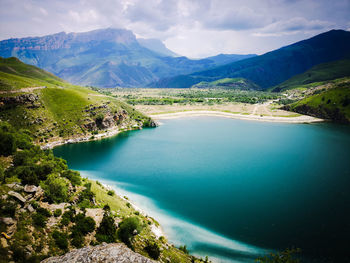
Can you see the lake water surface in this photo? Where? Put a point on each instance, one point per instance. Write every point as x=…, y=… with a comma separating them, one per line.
x=233, y=189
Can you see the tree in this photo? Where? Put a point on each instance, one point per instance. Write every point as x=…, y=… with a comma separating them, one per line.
x=56, y=188
x=127, y=229
x=7, y=143
x=107, y=231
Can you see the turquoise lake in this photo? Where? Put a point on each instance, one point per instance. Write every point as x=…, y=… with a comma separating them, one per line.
x=233, y=189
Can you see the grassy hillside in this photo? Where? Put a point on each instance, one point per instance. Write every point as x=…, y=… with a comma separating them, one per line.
x=16, y=75
x=276, y=66
x=319, y=73
x=53, y=110
x=228, y=83
x=331, y=102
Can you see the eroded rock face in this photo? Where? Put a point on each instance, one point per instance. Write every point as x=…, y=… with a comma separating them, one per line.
x=106, y=253
x=20, y=99
x=30, y=188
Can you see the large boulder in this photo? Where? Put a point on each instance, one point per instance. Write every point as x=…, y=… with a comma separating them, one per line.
x=107, y=253
x=18, y=196
x=30, y=188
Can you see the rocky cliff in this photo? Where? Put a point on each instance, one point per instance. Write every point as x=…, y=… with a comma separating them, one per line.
x=106, y=253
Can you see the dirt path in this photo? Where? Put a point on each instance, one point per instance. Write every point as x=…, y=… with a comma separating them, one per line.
x=30, y=89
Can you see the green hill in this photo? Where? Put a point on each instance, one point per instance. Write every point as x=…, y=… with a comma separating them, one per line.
x=331, y=102
x=228, y=83
x=53, y=110
x=274, y=67
x=319, y=73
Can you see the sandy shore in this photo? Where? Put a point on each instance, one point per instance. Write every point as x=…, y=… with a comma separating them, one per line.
x=157, y=230
x=298, y=119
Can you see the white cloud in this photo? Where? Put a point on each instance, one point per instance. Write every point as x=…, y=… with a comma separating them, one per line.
x=190, y=27
x=293, y=26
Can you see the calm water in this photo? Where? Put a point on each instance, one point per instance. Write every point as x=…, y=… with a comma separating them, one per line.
x=231, y=189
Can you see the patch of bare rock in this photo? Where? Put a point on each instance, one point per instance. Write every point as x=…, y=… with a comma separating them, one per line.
x=107, y=253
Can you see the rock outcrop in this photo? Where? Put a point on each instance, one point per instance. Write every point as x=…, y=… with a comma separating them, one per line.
x=107, y=253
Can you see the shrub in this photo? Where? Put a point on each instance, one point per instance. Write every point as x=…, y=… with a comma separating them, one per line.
x=60, y=239
x=57, y=212
x=67, y=217
x=107, y=231
x=7, y=208
x=83, y=224
x=127, y=228
x=111, y=192
x=87, y=195
x=7, y=143
x=184, y=249
x=77, y=240
x=43, y=211
x=72, y=176
x=153, y=250
x=56, y=189
x=39, y=220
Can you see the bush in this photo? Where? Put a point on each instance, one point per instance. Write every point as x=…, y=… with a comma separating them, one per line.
x=86, y=196
x=7, y=143
x=67, y=217
x=107, y=231
x=7, y=208
x=184, y=249
x=39, y=220
x=127, y=228
x=56, y=189
x=43, y=211
x=72, y=176
x=60, y=239
x=111, y=192
x=153, y=250
x=77, y=240
x=83, y=224
x=57, y=212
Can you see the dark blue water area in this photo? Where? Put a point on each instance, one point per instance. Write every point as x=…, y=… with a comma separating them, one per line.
x=260, y=185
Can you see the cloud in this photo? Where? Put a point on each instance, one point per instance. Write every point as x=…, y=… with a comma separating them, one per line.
x=190, y=27
x=237, y=18
x=293, y=26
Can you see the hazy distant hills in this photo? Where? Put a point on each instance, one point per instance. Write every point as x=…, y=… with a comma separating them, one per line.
x=106, y=57
x=274, y=67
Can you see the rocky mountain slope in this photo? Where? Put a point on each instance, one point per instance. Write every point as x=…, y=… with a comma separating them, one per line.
x=104, y=58
x=274, y=67
x=55, y=110
x=108, y=253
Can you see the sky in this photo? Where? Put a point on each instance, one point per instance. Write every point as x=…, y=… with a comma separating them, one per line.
x=193, y=28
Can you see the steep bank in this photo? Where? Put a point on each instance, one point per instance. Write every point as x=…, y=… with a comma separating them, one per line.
x=53, y=110
x=330, y=100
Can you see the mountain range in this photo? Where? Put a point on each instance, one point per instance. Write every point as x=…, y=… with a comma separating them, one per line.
x=274, y=67
x=106, y=57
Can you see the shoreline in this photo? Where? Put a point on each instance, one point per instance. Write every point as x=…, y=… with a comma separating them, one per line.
x=157, y=230
x=107, y=134
x=195, y=113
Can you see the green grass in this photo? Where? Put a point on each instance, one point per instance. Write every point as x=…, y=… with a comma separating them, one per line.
x=333, y=103
x=317, y=75
x=115, y=202
x=60, y=111
x=229, y=83
x=15, y=75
